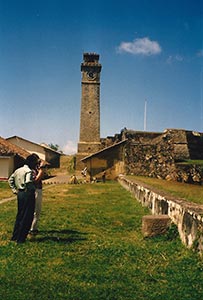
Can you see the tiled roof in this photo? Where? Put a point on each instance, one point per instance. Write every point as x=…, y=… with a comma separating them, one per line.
x=103, y=150
x=42, y=145
x=8, y=149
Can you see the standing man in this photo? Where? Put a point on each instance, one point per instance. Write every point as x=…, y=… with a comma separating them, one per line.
x=22, y=184
x=104, y=176
x=38, y=174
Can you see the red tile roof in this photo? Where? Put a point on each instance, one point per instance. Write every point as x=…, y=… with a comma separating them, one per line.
x=8, y=149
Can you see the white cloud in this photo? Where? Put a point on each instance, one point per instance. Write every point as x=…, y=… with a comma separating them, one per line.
x=69, y=148
x=179, y=57
x=169, y=59
x=174, y=58
x=143, y=46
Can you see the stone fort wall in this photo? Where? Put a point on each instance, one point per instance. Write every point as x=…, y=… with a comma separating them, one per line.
x=161, y=155
x=187, y=216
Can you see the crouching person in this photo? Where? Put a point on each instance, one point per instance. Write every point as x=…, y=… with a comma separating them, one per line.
x=22, y=184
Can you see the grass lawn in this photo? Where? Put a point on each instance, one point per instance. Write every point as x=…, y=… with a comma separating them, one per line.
x=190, y=192
x=5, y=191
x=90, y=247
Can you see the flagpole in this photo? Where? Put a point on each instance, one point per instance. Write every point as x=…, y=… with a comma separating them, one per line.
x=145, y=115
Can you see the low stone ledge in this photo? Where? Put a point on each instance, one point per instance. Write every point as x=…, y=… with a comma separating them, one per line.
x=153, y=225
x=187, y=216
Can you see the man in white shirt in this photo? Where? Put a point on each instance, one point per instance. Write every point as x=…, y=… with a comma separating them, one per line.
x=22, y=184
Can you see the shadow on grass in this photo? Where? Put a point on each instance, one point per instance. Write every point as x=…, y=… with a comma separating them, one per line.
x=59, y=236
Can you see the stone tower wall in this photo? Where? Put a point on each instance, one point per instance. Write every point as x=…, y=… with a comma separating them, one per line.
x=89, y=141
x=90, y=112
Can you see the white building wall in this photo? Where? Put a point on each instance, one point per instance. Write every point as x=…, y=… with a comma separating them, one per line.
x=28, y=146
x=6, y=166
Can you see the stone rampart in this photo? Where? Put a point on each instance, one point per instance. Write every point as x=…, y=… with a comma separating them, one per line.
x=186, y=215
x=170, y=155
x=160, y=155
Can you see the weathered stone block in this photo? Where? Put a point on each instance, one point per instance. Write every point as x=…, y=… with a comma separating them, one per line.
x=153, y=225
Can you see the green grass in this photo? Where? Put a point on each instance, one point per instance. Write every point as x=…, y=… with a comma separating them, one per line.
x=90, y=247
x=5, y=191
x=196, y=162
x=189, y=192
x=66, y=166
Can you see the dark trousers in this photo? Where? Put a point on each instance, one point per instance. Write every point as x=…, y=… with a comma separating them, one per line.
x=24, y=217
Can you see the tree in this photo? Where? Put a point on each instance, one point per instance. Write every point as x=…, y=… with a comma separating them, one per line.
x=54, y=146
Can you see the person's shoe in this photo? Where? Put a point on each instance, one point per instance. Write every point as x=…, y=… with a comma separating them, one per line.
x=20, y=242
x=13, y=240
x=34, y=232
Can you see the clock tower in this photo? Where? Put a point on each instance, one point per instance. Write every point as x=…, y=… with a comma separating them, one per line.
x=89, y=141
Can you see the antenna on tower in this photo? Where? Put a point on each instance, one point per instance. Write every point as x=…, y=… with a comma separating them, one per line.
x=145, y=115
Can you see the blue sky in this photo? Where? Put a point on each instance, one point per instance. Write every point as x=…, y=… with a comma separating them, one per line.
x=150, y=50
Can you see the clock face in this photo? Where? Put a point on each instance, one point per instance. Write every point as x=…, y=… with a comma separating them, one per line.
x=91, y=75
